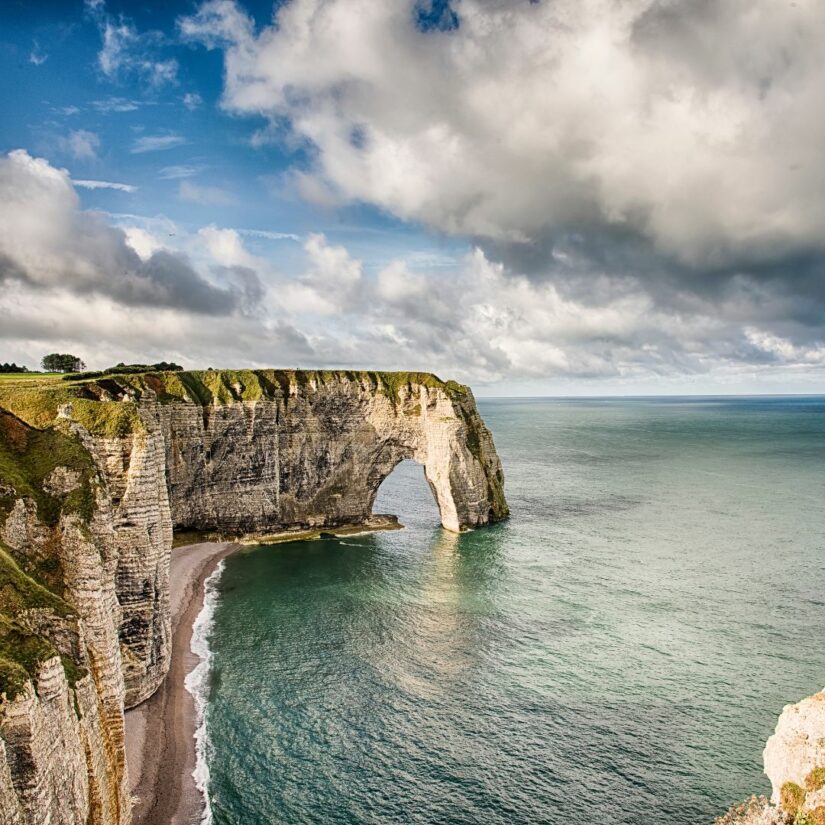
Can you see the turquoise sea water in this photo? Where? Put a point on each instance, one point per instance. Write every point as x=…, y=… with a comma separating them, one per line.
x=617, y=652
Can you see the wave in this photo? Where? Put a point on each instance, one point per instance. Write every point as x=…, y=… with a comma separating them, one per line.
x=197, y=683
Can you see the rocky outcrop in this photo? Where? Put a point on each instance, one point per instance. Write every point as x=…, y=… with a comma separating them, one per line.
x=315, y=452
x=795, y=759
x=755, y=811
x=94, y=476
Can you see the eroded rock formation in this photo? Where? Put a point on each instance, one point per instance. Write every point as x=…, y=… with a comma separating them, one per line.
x=96, y=473
x=794, y=760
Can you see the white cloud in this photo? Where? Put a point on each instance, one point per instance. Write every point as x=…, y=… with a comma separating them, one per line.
x=156, y=143
x=696, y=125
x=115, y=104
x=784, y=350
x=330, y=284
x=48, y=243
x=104, y=333
x=204, y=195
x=81, y=144
x=142, y=241
x=127, y=51
x=161, y=71
x=270, y=236
x=176, y=172
x=227, y=249
x=104, y=184
x=192, y=100
x=396, y=284
x=116, y=42
x=37, y=56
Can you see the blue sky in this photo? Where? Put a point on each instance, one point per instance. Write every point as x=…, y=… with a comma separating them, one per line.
x=535, y=197
x=52, y=76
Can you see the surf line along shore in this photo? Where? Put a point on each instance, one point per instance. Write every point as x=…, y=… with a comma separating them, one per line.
x=160, y=733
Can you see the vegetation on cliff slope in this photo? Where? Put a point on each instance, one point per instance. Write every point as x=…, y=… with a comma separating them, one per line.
x=37, y=399
x=29, y=457
x=791, y=809
x=33, y=581
x=793, y=799
x=21, y=651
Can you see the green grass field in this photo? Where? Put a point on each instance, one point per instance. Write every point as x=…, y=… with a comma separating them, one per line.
x=29, y=376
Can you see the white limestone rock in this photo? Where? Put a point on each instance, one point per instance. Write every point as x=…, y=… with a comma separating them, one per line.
x=796, y=750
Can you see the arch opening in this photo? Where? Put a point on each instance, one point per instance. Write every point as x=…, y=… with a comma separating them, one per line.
x=406, y=493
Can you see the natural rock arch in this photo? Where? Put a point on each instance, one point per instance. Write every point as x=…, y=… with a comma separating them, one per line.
x=251, y=452
x=404, y=490
x=134, y=456
x=317, y=456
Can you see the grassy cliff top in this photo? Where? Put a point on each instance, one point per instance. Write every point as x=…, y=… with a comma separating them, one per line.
x=36, y=398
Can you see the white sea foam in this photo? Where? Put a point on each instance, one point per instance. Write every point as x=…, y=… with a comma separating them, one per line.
x=197, y=683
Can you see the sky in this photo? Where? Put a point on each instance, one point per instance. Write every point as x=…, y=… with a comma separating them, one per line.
x=574, y=197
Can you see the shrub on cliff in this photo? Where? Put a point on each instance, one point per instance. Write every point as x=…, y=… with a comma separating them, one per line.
x=161, y=366
x=128, y=369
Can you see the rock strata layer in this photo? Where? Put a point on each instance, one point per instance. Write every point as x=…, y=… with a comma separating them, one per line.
x=95, y=475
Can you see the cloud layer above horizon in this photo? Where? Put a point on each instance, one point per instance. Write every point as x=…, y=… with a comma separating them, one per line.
x=639, y=186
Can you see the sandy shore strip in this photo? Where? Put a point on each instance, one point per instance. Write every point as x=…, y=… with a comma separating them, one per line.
x=160, y=743
x=160, y=732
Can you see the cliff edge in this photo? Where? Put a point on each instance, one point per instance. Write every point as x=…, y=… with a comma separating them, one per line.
x=97, y=472
x=794, y=759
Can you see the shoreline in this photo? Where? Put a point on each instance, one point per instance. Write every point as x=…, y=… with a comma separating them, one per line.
x=161, y=753
x=160, y=732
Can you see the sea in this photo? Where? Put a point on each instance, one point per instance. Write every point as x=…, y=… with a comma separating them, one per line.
x=618, y=651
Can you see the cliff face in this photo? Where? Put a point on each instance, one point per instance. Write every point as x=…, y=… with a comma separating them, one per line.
x=795, y=760
x=90, y=524
x=61, y=719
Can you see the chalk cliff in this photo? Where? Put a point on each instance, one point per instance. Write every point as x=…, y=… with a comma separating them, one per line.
x=794, y=760
x=96, y=473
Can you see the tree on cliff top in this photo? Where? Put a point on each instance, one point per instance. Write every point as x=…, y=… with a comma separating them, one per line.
x=55, y=362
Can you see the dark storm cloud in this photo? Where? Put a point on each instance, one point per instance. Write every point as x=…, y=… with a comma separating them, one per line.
x=596, y=264
x=48, y=242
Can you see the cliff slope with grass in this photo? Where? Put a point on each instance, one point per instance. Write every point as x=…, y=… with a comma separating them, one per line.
x=96, y=472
